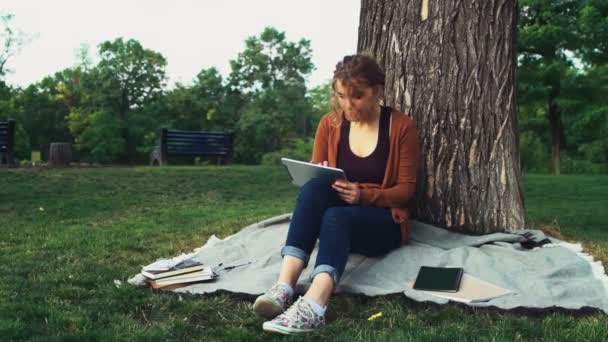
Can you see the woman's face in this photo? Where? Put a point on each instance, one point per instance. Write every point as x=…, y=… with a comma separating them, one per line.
x=358, y=101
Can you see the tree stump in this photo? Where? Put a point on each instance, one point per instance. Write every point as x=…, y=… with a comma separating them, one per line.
x=60, y=154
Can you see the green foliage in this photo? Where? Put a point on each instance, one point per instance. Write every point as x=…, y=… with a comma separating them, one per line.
x=10, y=109
x=270, y=61
x=562, y=78
x=589, y=132
x=8, y=105
x=578, y=167
x=270, y=74
x=320, y=100
x=269, y=122
x=44, y=112
x=113, y=94
x=100, y=137
x=535, y=155
x=22, y=144
x=299, y=149
x=593, y=32
x=202, y=106
x=130, y=74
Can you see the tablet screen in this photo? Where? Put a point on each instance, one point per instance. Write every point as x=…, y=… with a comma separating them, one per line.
x=302, y=172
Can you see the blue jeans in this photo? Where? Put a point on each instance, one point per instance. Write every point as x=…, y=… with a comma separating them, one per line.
x=340, y=227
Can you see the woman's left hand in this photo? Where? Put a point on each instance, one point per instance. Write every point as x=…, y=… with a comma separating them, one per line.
x=347, y=191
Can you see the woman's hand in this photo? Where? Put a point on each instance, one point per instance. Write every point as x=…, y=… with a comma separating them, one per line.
x=347, y=191
x=323, y=163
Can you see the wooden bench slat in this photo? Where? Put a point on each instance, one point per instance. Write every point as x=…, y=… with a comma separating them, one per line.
x=198, y=150
x=201, y=140
x=187, y=153
x=197, y=145
x=175, y=142
x=194, y=134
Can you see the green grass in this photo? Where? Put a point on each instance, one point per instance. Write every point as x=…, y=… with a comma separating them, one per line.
x=68, y=233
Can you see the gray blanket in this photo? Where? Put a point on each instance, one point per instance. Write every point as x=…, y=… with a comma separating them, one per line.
x=557, y=274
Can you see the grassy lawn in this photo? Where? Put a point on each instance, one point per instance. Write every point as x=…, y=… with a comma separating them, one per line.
x=68, y=234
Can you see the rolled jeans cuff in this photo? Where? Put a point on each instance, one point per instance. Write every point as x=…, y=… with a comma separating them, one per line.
x=327, y=269
x=296, y=252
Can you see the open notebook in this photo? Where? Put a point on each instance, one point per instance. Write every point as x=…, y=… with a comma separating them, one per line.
x=472, y=290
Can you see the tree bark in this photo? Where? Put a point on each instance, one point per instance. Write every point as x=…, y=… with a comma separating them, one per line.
x=555, y=126
x=454, y=73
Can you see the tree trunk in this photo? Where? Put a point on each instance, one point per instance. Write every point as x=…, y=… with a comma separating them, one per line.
x=451, y=65
x=60, y=154
x=128, y=154
x=555, y=127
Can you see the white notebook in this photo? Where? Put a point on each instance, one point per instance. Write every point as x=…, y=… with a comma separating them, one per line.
x=472, y=290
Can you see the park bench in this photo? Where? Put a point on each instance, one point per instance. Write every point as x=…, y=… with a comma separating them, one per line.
x=182, y=143
x=7, y=142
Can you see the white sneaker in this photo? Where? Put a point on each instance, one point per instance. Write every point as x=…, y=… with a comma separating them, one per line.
x=298, y=319
x=273, y=302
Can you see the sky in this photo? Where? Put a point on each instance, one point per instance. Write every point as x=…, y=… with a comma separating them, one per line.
x=192, y=35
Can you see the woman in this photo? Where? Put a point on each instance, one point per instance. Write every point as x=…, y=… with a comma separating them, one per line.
x=377, y=148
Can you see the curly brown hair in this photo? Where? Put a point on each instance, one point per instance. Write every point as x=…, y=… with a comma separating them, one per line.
x=356, y=70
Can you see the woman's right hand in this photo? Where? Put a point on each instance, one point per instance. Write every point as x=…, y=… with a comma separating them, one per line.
x=323, y=163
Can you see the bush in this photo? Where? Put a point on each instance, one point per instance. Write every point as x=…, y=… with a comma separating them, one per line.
x=299, y=149
x=22, y=142
x=534, y=155
x=576, y=166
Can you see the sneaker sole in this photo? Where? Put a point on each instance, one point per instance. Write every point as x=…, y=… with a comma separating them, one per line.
x=274, y=328
x=267, y=308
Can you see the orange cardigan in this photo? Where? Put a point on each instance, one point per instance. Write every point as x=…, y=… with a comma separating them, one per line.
x=399, y=185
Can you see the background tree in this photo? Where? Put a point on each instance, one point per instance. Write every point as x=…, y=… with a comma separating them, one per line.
x=269, y=76
x=110, y=121
x=199, y=106
x=11, y=41
x=548, y=30
x=451, y=64
x=319, y=98
x=44, y=112
x=563, y=55
x=10, y=108
x=593, y=142
x=589, y=133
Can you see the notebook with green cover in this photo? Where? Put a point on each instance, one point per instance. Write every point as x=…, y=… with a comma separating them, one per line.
x=438, y=279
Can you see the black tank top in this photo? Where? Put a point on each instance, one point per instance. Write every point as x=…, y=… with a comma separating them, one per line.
x=368, y=169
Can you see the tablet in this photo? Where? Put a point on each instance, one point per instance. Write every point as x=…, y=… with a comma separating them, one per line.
x=301, y=172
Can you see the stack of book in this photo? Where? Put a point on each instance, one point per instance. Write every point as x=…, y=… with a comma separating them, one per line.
x=184, y=273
